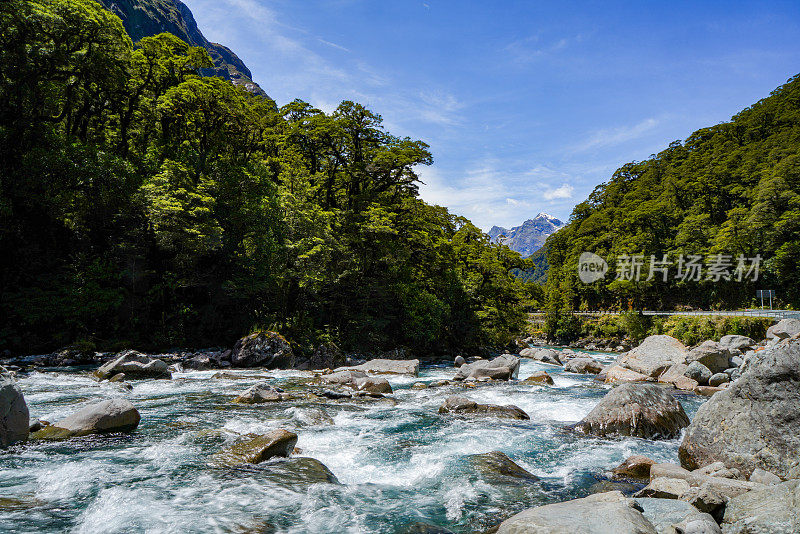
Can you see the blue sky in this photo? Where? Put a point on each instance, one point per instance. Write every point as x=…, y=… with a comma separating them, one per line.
x=527, y=106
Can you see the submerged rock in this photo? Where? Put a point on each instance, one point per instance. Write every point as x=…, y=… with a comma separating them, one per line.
x=108, y=416
x=372, y=384
x=504, y=367
x=134, y=365
x=497, y=468
x=297, y=471
x=540, y=378
x=753, y=423
x=635, y=467
x=312, y=415
x=257, y=449
x=390, y=367
x=602, y=513
x=263, y=349
x=462, y=405
x=638, y=410
x=14, y=416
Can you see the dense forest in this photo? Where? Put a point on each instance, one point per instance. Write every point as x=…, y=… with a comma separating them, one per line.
x=731, y=189
x=145, y=205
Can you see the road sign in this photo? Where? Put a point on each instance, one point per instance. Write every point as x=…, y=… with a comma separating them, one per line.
x=769, y=293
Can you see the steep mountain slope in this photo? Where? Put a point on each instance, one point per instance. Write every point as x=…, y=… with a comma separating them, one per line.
x=143, y=18
x=529, y=236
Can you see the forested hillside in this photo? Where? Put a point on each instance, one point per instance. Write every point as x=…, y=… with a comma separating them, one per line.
x=731, y=189
x=143, y=205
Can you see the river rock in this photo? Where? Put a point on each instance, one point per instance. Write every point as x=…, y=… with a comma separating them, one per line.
x=372, y=384
x=718, y=379
x=636, y=467
x=324, y=356
x=296, y=472
x=602, y=513
x=773, y=510
x=737, y=344
x=764, y=477
x=706, y=391
x=504, y=367
x=311, y=415
x=263, y=349
x=753, y=423
x=461, y=405
x=421, y=527
x=257, y=449
x=676, y=375
x=497, y=468
x=665, y=488
x=459, y=361
x=134, y=365
x=260, y=393
x=654, y=356
x=583, y=365
x=550, y=356
x=539, y=378
x=785, y=328
x=699, y=373
x=638, y=410
x=342, y=378
x=616, y=373
x=389, y=367
x=666, y=514
x=108, y=416
x=713, y=355
x=14, y=416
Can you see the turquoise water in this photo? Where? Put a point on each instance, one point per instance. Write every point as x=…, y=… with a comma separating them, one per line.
x=397, y=464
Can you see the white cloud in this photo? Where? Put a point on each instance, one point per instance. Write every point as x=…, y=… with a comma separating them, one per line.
x=614, y=136
x=565, y=191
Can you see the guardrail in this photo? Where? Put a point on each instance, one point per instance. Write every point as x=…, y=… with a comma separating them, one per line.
x=767, y=314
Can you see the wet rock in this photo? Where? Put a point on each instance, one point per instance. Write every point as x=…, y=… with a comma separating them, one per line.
x=312, y=415
x=774, y=510
x=263, y=349
x=718, y=379
x=617, y=373
x=504, y=367
x=601, y=513
x=753, y=423
x=342, y=378
x=638, y=410
x=676, y=375
x=461, y=405
x=539, y=378
x=635, y=467
x=550, y=356
x=497, y=468
x=260, y=393
x=419, y=385
x=583, y=365
x=459, y=361
x=134, y=365
x=711, y=354
x=735, y=343
x=699, y=373
x=373, y=384
x=655, y=355
x=665, y=488
x=228, y=375
x=37, y=425
x=201, y=362
x=626, y=488
x=108, y=416
x=257, y=449
x=424, y=528
x=119, y=377
x=297, y=472
x=389, y=367
x=764, y=477
x=785, y=328
x=14, y=416
x=664, y=514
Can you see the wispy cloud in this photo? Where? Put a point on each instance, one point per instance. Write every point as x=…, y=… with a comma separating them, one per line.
x=535, y=46
x=565, y=191
x=615, y=136
x=333, y=45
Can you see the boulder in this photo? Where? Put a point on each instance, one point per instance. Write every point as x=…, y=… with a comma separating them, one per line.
x=699, y=373
x=257, y=449
x=654, y=356
x=461, y=405
x=419, y=385
x=459, y=361
x=718, y=379
x=200, y=362
x=497, y=468
x=764, y=477
x=504, y=367
x=665, y=488
x=550, y=356
x=667, y=514
x=388, y=367
x=324, y=356
x=617, y=373
x=583, y=365
x=296, y=473
x=676, y=375
x=727, y=487
x=260, y=393
x=753, y=423
x=706, y=499
x=14, y=416
x=134, y=365
x=602, y=513
x=711, y=354
x=539, y=378
x=774, y=510
x=639, y=410
x=785, y=328
x=342, y=378
x=635, y=467
x=737, y=344
x=108, y=416
x=263, y=349
x=373, y=384
x=311, y=415
x=706, y=391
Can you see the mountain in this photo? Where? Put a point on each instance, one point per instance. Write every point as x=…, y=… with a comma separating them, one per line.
x=143, y=18
x=529, y=237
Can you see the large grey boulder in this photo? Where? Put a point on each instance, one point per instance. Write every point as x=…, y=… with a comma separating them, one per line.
x=497, y=468
x=665, y=514
x=134, y=365
x=550, y=356
x=678, y=377
x=785, y=328
x=640, y=410
x=771, y=510
x=464, y=406
x=713, y=355
x=261, y=393
x=601, y=513
x=504, y=367
x=753, y=423
x=108, y=416
x=14, y=416
x=258, y=449
x=654, y=356
x=698, y=372
x=263, y=349
x=388, y=367
x=583, y=366
x=737, y=344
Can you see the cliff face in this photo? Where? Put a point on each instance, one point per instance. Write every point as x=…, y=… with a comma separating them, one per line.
x=143, y=18
x=528, y=237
